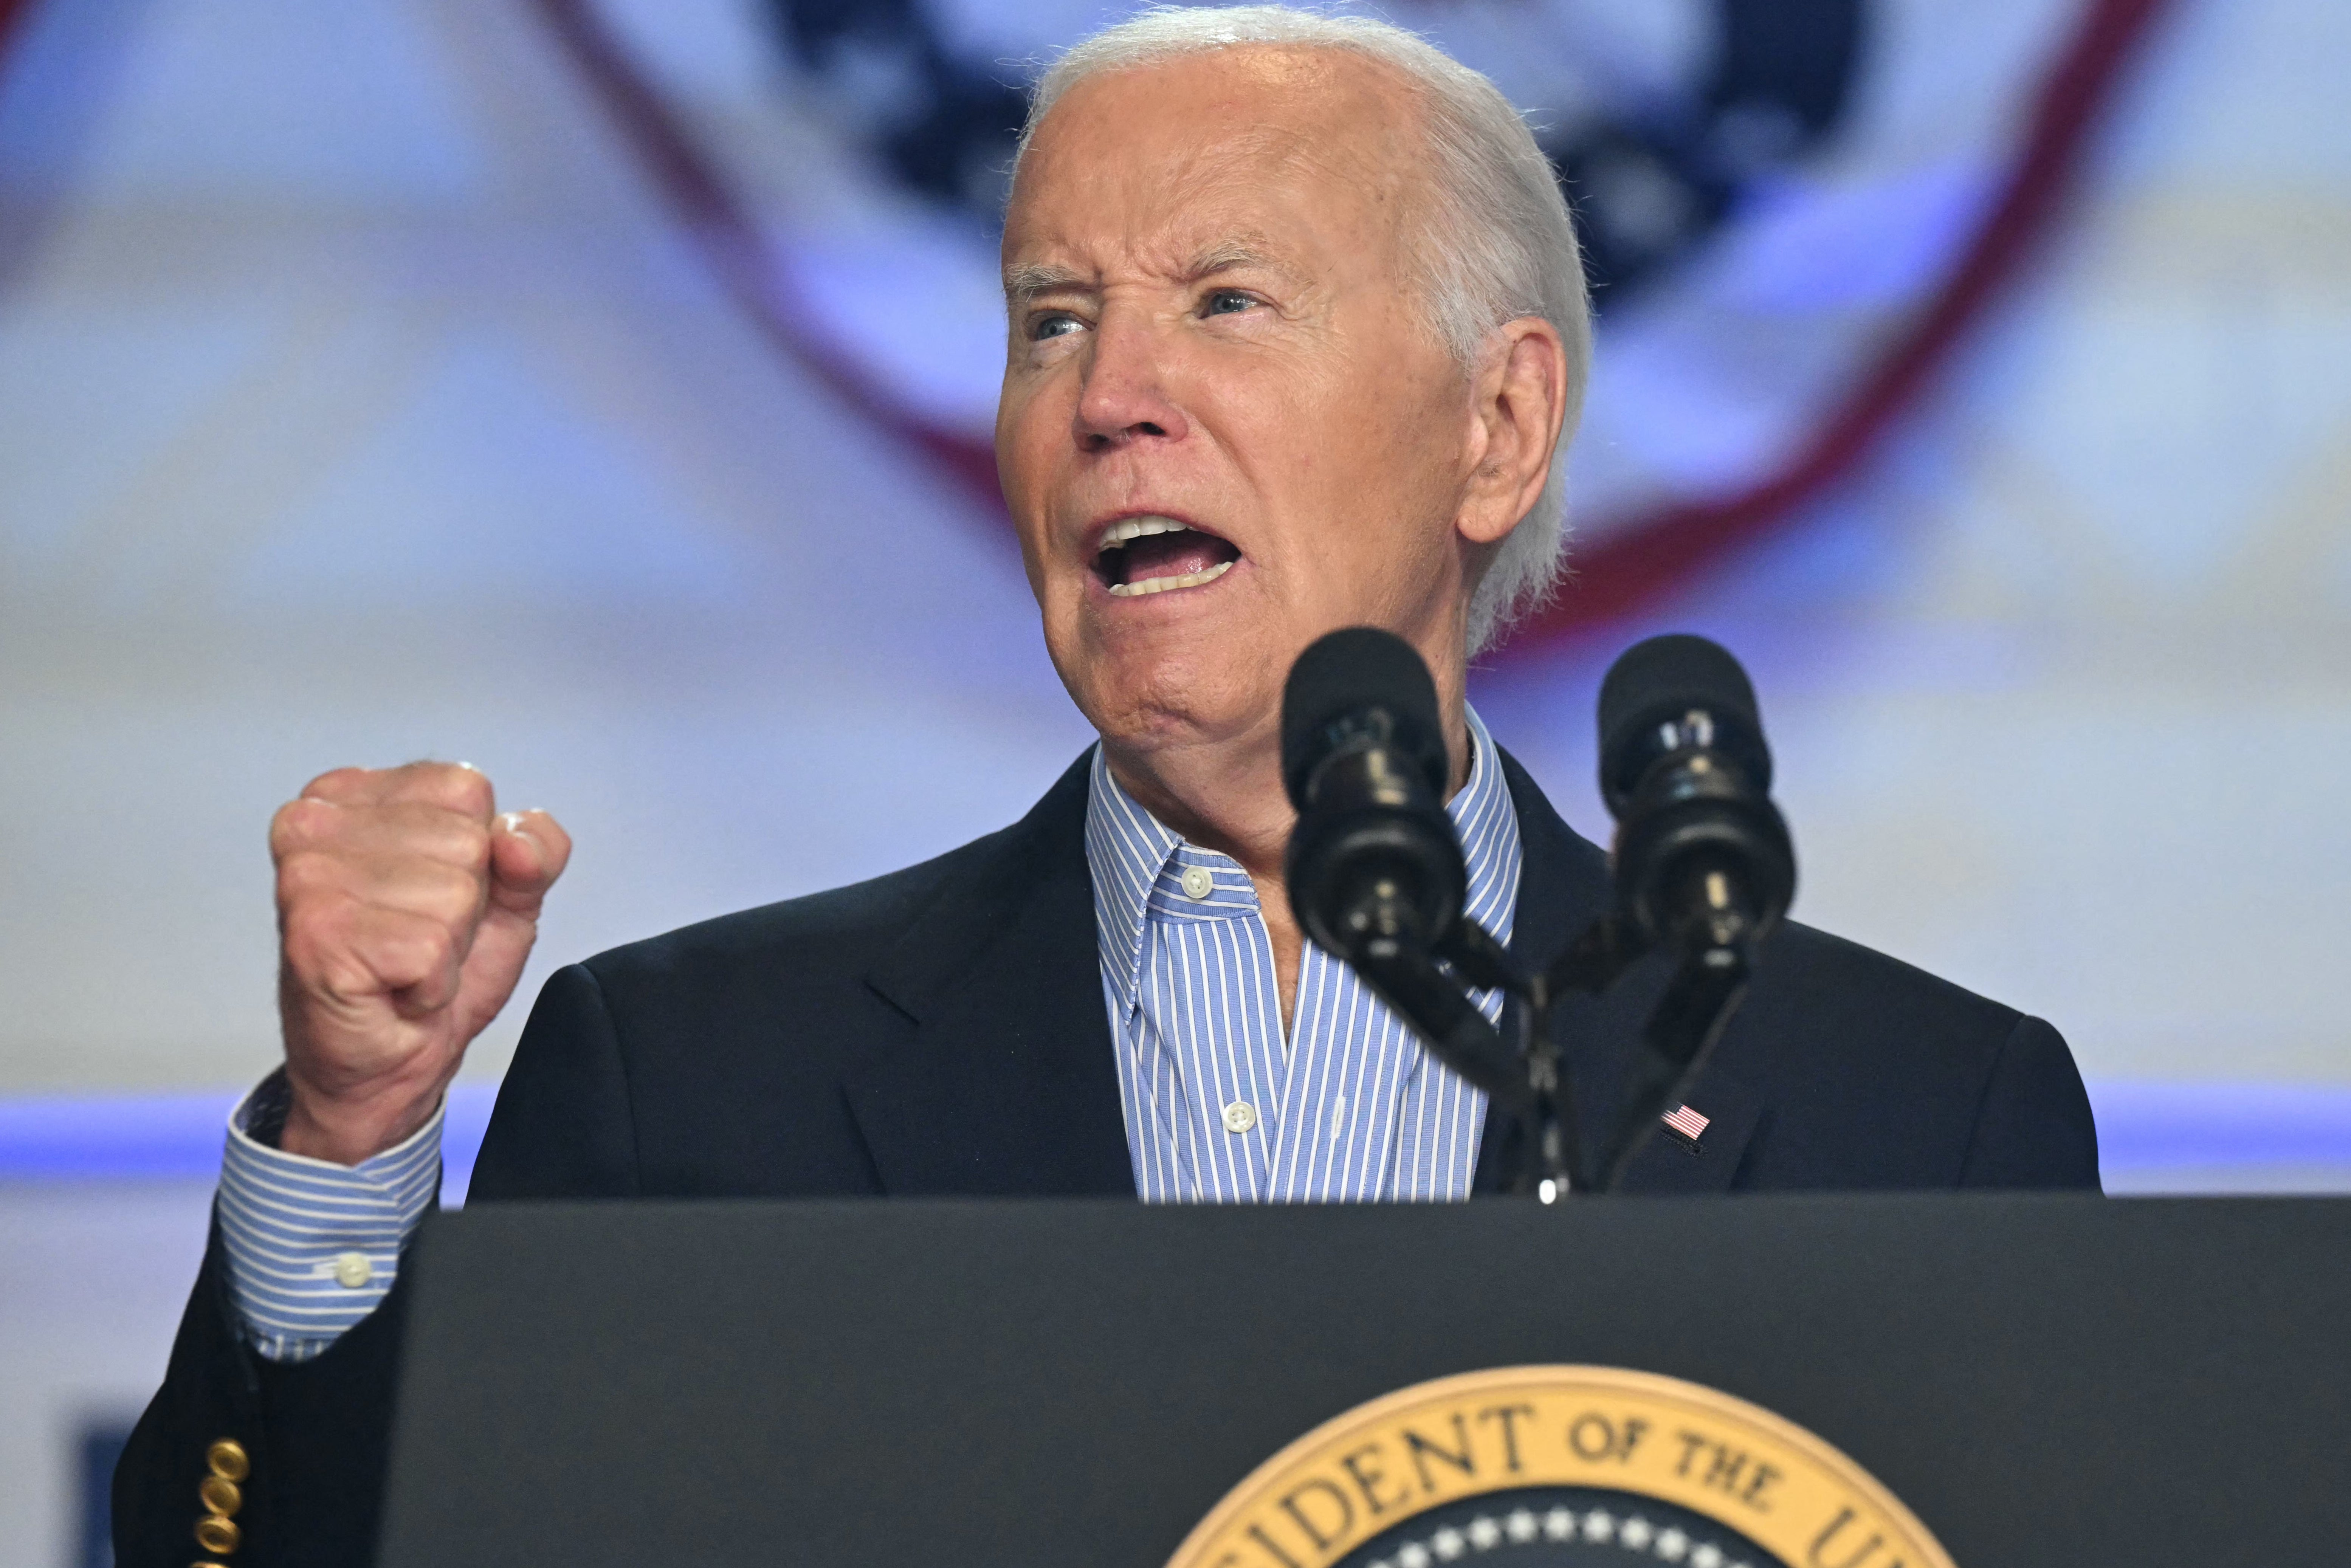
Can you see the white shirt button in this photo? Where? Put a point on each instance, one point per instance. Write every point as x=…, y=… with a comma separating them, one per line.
x=1199, y=883
x=352, y=1270
x=1239, y=1116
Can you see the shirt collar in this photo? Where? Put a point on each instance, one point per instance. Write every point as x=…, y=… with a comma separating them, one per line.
x=1139, y=863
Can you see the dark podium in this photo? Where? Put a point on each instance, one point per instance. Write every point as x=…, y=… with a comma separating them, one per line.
x=2042, y=1380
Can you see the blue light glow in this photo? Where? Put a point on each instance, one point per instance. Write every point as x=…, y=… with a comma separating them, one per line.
x=2144, y=1126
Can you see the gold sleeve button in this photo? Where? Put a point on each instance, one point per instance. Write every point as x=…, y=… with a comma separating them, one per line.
x=226, y=1459
x=220, y=1495
x=217, y=1535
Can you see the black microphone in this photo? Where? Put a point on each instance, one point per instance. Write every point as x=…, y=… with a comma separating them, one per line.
x=1373, y=866
x=1375, y=871
x=1703, y=858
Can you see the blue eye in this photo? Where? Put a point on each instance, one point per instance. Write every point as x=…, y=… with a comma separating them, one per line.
x=1228, y=302
x=1055, y=326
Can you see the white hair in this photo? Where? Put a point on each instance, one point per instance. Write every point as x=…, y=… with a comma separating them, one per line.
x=1496, y=241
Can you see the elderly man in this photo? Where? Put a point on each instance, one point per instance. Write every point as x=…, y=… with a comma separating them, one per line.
x=1296, y=327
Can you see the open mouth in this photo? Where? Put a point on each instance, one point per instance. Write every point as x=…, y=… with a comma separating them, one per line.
x=1155, y=555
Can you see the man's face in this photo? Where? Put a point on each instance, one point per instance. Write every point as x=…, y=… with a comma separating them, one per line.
x=1226, y=428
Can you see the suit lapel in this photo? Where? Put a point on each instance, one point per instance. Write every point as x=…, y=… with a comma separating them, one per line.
x=1006, y=1083
x=1668, y=1165
x=1563, y=886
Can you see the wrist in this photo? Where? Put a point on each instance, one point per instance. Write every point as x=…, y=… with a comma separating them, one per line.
x=350, y=1128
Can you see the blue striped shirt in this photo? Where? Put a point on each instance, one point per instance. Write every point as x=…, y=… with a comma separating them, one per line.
x=1222, y=1103
x=313, y=1246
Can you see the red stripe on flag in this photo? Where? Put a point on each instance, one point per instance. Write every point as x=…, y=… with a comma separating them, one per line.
x=1635, y=565
x=1686, y=1122
x=1636, y=562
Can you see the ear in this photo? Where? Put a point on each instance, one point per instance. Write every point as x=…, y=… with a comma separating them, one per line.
x=1520, y=402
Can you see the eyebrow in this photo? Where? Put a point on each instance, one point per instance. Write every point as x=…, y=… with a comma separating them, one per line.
x=1233, y=254
x=1027, y=281
x=1024, y=282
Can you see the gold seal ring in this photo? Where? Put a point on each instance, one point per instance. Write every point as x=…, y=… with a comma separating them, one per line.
x=1760, y=1477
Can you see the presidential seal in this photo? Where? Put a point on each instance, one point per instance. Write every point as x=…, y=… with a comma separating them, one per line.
x=1562, y=1466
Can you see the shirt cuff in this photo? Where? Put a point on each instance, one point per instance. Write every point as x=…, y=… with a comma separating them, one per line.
x=314, y=1247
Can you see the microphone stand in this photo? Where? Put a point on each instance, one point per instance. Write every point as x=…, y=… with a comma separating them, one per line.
x=1525, y=1082
x=1548, y=1127
x=1529, y=1081
x=1709, y=982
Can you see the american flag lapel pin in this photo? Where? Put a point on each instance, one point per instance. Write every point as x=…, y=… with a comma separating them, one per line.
x=1684, y=1124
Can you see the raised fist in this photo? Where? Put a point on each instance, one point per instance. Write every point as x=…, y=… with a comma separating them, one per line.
x=405, y=909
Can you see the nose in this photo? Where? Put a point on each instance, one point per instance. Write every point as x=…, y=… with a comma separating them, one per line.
x=1124, y=399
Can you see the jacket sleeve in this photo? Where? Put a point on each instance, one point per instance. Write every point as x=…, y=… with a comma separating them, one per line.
x=2032, y=1127
x=309, y=1441
x=314, y=1436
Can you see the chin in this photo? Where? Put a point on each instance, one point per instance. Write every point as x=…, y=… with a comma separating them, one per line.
x=1156, y=692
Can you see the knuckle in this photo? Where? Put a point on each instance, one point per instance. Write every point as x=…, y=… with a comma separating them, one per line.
x=299, y=823
x=426, y=950
x=459, y=788
x=297, y=948
x=425, y=833
x=334, y=781
x=469, y=842
x=304, y=876
x=449, y=896
x=318, y=953
x=344, y=972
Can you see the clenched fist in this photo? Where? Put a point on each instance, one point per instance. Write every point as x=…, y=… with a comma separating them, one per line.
x=405, y=908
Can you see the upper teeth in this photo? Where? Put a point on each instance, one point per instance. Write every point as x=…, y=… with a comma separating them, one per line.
x=1127, y=529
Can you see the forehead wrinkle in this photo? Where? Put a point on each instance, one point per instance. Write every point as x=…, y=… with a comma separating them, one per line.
x=1209, y=216
x=1386, y=165
x=1177, y=257
x=1029, y=280
x=1334, y=122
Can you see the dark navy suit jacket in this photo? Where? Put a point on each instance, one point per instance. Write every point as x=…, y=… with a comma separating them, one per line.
x=941, y=1032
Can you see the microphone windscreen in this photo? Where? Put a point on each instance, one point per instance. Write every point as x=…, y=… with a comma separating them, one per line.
x=1657, y=680
x=1349, y=672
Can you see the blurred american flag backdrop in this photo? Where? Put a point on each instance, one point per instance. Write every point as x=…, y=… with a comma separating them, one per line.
x=599, y=391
